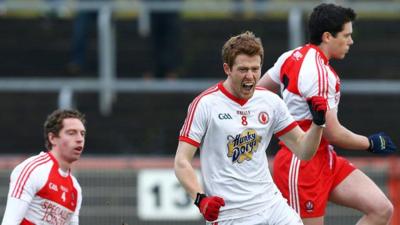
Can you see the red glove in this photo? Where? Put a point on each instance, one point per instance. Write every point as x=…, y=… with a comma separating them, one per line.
x=209, y=206
x=318, y=107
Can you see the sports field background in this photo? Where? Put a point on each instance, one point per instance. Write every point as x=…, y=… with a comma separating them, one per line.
x=110, y=189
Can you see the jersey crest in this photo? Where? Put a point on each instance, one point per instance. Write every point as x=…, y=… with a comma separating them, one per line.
x=263, y=117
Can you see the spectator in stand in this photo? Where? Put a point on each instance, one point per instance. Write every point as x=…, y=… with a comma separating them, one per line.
x=166, y=41
x=84, y=20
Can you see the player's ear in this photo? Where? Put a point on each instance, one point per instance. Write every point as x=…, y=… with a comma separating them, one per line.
x=227, y=69
x=51, y=137
x=326, y=36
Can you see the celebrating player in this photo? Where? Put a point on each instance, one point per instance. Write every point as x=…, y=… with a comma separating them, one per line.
x=232, y=124
x=301, y=74
x=42, y=188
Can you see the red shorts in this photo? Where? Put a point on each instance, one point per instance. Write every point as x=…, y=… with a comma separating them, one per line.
x=307, y=184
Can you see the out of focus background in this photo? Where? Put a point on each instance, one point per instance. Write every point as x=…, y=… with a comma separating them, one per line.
x=133, y=67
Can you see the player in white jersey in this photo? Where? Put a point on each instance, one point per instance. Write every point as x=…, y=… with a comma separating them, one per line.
x=232, y=124
x=42, y=188
x=301, y=74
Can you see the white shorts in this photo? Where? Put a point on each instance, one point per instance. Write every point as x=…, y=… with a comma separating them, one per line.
x=279, y=214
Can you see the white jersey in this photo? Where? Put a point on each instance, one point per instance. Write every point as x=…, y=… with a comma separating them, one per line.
x=53, y=196
x=302, y=73
x=232, y=135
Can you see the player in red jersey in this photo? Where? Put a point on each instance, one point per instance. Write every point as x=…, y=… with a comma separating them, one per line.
x=42, y=188
x=305, y=72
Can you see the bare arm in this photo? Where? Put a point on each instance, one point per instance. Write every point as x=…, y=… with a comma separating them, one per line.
x=342, y=137
x=268, y=83
x=184, y=170
x=303, y=144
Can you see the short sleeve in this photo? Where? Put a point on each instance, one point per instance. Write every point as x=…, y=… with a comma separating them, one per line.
x=275, y=71
x=195, y=124
x=284, y=121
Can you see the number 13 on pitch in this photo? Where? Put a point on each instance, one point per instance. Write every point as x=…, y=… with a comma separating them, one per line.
x=161, y=197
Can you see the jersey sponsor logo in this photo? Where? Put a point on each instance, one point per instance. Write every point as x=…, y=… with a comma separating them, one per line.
x=243, y=113
x=309, y=205
x=53, y=186
x=242, y=146
x=64, y=189
x=297, y=55
x=263, y=117
x=55, y=214
x=224, y=116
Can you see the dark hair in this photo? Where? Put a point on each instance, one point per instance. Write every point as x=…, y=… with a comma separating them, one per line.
x=328, y=18
x=244, y=43
x=54, y=122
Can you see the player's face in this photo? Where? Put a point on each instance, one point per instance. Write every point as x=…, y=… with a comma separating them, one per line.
x=70, y=141
x=339, y=46
x=243, y=75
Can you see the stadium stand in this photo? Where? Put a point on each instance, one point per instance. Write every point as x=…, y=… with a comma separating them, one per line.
x=368, y=58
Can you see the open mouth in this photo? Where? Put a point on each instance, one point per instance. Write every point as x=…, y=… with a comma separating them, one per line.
x=247, y=86
x=79, y=148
